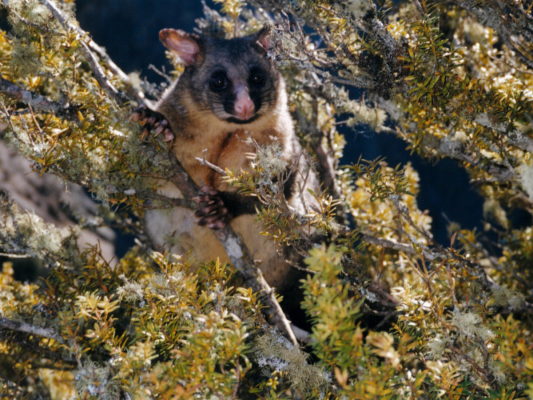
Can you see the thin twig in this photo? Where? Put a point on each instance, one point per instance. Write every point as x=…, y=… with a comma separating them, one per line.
x=114, y=68
x=8, y=117
x=238, y=377
x=295, y=265
x=15, y=255
x=99, y=73
x=214, y=167
x=160, y=73
x=406, y=248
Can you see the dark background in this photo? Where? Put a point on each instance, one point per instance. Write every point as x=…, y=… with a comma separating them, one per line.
x=129, y=31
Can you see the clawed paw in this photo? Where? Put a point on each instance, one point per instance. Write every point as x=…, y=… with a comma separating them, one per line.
x=212, y=211
x=152, y=120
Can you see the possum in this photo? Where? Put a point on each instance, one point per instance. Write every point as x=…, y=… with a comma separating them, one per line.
x=229, y=89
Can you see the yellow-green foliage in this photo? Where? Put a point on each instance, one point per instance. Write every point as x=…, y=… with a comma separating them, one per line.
x=392, y=314
x=97, y=145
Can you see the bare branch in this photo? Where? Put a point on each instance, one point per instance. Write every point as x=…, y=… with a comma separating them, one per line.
x=31, y=329
x=139, y=95
x=160, y=73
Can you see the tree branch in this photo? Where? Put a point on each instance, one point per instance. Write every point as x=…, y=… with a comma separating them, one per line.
x=14, y=255
x=389, y=244
x=515, y=136
x=419, y=7
x=36, y=100
x=115, y=69
x=31, y=329
x=214, y=167
x=99, y=73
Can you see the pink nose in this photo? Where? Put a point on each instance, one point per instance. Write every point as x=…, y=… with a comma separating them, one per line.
x=244, y=106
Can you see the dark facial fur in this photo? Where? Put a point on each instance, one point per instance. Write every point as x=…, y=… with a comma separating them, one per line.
x=226, y=65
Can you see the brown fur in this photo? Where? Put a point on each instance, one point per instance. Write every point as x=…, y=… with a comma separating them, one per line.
x=197, y=127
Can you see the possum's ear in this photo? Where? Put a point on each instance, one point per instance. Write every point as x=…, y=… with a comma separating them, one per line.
x=186, y=45
x=263, y=37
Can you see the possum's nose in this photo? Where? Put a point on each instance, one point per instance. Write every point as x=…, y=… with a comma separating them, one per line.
x=244, y=106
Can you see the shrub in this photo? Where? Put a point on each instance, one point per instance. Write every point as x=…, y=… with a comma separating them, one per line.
x=394, y=314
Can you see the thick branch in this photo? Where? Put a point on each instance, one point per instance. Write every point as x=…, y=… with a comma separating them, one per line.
x=35, y=100
x=31, y=329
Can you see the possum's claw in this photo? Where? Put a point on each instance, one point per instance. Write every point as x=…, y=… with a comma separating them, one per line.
x=151, y=120
x=212, y=211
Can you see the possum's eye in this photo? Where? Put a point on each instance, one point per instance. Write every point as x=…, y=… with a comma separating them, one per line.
x=218, y=82
x=257, y=78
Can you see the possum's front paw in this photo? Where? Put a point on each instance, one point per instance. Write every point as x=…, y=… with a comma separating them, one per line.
x=212, y=210
x=150, y=120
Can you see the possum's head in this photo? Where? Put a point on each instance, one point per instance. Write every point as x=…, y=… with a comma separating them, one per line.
x=233, y=79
